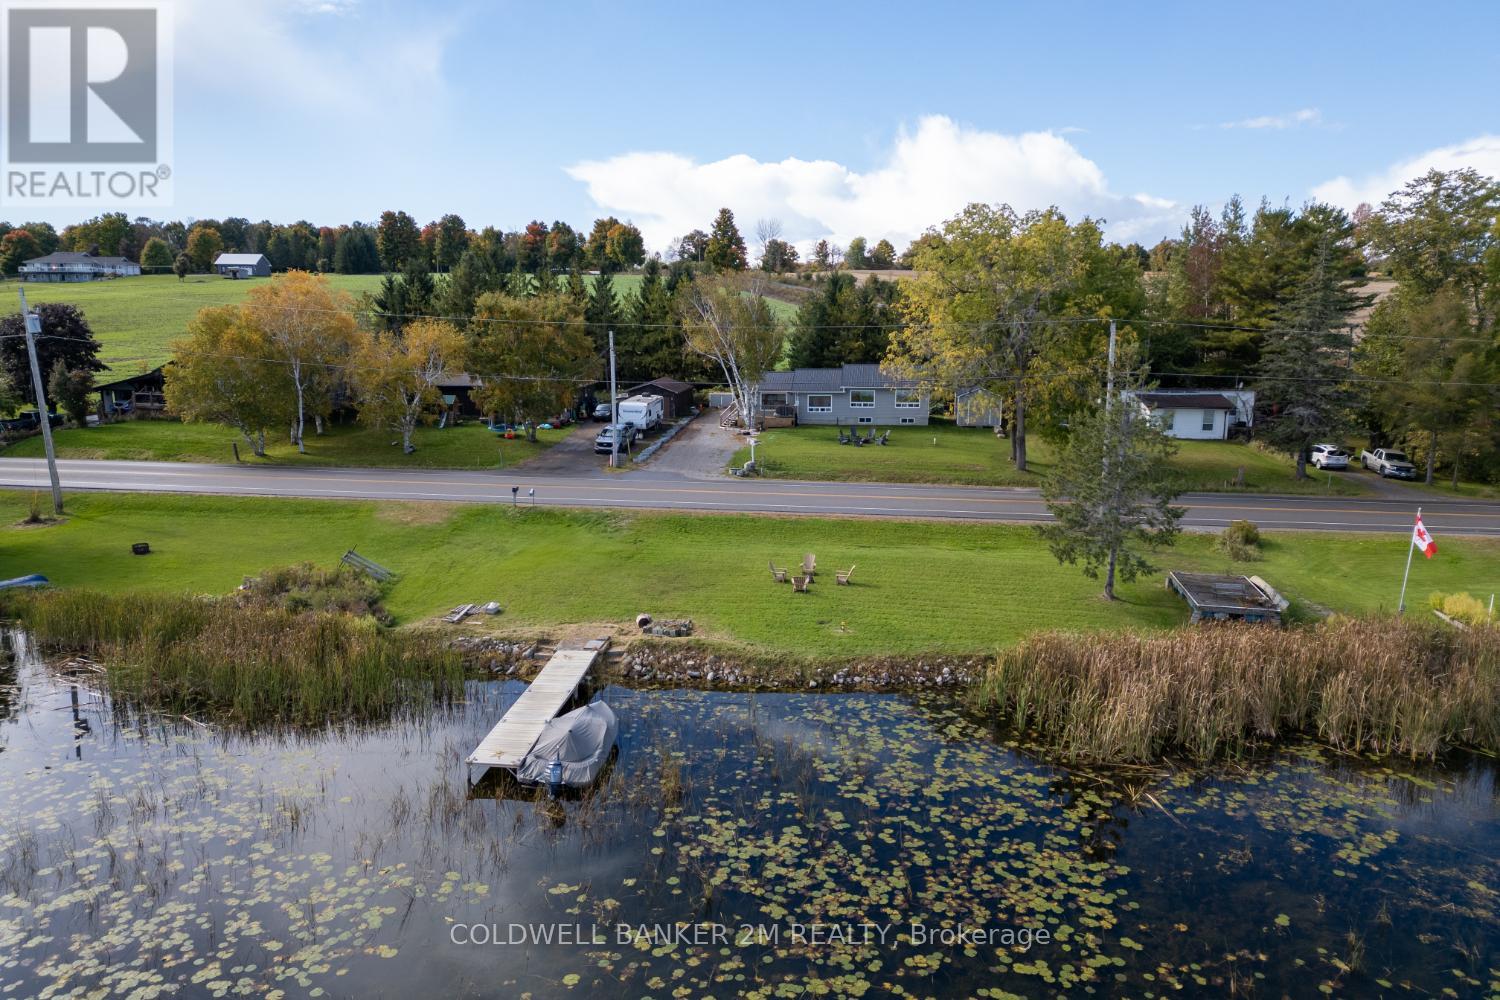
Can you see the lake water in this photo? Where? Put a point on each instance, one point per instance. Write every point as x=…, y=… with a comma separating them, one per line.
x=756, y=845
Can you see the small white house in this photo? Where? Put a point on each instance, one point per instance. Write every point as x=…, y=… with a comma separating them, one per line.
x=1197, y=415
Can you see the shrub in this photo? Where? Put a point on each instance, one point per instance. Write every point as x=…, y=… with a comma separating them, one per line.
x=1465, y=608
x=1240, y=541
x=305, y=587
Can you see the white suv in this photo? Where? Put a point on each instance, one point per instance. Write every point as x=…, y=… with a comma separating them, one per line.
x=1329, y=456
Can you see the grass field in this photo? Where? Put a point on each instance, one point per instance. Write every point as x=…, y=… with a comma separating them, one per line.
x=135, y=319
x=468, y=446
x=920, y=587
x=972, y=456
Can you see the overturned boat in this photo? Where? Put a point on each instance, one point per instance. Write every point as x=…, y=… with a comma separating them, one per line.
x=572, y=749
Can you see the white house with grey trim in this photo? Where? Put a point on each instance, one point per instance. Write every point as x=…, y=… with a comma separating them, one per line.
x=853, y=394
x=65, y=265
x=1195, y=414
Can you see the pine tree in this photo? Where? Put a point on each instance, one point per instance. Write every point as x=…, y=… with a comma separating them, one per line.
x=603, y=312
x=1302, y=389
x=726, y=247
x=1109, y=501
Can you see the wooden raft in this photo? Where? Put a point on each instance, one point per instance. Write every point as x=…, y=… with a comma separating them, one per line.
x=516, y=733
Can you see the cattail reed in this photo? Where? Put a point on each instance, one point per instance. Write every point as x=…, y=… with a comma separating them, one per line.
x=1391, y=685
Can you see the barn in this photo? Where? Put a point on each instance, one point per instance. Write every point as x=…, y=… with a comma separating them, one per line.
x=676, y=397
x=243, y=265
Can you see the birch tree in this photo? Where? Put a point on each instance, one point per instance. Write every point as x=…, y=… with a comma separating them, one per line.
x=310, y=330
x=728, y=321
x=397, y=374
x=220, y=373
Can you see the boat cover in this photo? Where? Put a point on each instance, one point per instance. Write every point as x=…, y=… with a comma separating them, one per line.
x=581, y=740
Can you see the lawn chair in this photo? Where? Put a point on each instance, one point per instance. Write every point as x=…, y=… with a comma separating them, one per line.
x=843, y=438
x=809, y=565
x=841, y=577
x=870, y=436
x=885, y=438
x=856, y=440
x=800, y=584
x=779, y=575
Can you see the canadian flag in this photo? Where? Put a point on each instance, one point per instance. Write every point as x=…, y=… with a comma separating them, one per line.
x=1422, y=540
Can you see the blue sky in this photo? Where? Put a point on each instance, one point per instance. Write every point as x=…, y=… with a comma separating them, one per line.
x=837, y=119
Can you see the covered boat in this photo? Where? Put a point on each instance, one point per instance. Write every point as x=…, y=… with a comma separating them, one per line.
x=572, y=749
x=34, y=580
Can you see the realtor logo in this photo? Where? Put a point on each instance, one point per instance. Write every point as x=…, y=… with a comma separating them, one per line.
x=87, y=103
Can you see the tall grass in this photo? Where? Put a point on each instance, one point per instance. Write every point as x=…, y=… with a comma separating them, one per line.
x=1392, y=685
x=246, y=665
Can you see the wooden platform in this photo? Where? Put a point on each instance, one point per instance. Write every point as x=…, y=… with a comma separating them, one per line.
x=516, y=733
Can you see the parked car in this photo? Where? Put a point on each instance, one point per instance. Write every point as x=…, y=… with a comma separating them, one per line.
x=1329, y=456
x=601, y=413
x=1390, y=464
x=604, y=443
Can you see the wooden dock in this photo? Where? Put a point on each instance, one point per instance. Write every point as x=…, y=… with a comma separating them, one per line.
x=516, y=733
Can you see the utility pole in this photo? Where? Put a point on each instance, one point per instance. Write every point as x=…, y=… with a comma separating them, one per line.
x=614, y=409
x=1109, y=379
x=33, y=324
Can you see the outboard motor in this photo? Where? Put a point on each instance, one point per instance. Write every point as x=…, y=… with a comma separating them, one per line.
x=554, y=776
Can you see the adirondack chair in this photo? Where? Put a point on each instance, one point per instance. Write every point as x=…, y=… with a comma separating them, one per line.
x=885, y=438
x=841, y=577
x=800, y=584
x=779, y=575
x=870, y=436
x=809, y=565
x=843, y=438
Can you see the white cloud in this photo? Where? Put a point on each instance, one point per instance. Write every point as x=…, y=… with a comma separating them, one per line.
x=314, y=55
x=928, y=176
x=1481, y=153
x=1306, y=116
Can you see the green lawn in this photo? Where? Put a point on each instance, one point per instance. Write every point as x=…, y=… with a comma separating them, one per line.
x=468, y=446
x=920, y=587
x=135, y=319
x=974, y=456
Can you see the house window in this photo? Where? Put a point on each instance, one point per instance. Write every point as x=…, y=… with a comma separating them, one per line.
x=867, y=420
x=819, y=404
x=773, y=399
x=1208, y=420
x=908, y=420
x=862, y=399
x=908, y=399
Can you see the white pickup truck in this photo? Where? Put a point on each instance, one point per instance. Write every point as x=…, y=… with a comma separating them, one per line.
x=1388, y=463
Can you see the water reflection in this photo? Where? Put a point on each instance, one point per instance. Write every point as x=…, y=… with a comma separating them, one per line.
x=138, y=852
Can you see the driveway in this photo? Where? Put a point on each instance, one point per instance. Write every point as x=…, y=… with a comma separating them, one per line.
x=572, y=456
x=700, y=451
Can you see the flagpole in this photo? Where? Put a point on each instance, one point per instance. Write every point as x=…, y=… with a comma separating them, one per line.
x=1410, y=546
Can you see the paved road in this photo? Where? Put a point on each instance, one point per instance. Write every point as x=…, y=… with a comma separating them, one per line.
x=1205, y=511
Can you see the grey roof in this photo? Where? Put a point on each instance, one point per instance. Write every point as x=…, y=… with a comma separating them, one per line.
x=831, y=379
x=1186, y=401
x=458, y=380
x=667, y=384
x=149, y=377
x=239, y=259
x=73, y=257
